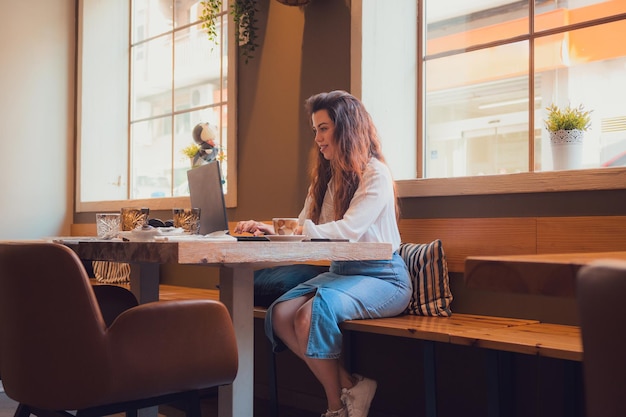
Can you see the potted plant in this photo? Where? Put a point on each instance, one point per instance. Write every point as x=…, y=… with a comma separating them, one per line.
x=243, y=13
x=566, y=127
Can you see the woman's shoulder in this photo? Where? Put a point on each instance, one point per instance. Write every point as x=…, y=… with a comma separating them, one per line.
x=375, y=167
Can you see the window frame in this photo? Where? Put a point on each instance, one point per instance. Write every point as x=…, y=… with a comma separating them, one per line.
x=161, y=203
x=527, y=182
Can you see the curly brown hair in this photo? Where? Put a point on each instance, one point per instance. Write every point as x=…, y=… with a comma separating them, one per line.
x=356, y=139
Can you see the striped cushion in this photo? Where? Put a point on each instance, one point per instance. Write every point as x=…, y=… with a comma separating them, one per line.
x=429, y=274
x=111, y=272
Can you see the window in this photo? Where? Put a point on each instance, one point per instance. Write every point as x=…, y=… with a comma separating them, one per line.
x=148, y=74
x=466, y=99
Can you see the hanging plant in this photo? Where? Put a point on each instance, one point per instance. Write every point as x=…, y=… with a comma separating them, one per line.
x=244, y=17
x=210, y=10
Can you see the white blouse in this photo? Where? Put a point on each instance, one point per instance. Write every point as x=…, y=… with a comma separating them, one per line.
x=371, y=216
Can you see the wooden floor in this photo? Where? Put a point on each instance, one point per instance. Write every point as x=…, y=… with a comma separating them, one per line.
x=176, y=292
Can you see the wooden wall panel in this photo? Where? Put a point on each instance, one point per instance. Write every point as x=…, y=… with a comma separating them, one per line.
x=581, y=234
x=463, y=237
x=83, y=229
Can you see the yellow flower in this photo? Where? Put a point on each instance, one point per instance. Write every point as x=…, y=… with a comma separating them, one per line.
x=191, y=150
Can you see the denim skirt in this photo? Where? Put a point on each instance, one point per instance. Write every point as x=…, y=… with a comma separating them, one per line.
x=349, y=290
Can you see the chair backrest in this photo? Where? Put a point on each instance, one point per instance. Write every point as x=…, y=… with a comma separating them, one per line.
x=51, y=329
x=601, y=291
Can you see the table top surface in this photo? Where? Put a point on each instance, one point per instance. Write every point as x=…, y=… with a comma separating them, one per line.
x=226, y=252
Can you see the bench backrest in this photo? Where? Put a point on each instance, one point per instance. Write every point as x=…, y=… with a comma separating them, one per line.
x=463, y=237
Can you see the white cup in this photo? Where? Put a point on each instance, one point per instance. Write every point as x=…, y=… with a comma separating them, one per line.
x=285, y=225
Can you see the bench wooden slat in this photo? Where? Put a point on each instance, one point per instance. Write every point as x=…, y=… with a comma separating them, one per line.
x=176, y=292
x=436, y=329
x=543, y=339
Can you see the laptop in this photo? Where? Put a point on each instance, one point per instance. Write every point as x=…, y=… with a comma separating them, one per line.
x=206, y=193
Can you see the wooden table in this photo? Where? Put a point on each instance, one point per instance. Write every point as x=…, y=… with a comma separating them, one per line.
x=237, y=261
x=545, y=274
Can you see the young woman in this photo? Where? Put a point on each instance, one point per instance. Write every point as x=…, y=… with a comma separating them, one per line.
x=351, y=196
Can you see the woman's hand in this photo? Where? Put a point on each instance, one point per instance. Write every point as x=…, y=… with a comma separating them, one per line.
x=254, y=227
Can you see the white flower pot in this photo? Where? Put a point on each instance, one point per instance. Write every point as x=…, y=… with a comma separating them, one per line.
x=567, y=149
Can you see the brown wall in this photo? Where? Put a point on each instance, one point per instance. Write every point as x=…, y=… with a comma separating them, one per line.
x=303, y=51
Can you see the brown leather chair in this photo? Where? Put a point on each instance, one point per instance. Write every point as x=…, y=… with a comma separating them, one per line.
x=601, y=292
x=59, y=353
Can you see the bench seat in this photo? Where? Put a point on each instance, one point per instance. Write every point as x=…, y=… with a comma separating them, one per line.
x=498, y=333
x=543, y=339
x=436, y=329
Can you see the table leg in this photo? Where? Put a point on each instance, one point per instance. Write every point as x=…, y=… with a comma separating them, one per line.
x=237, y=293
x=144, y=281
x=144, y=284
x=430, y=379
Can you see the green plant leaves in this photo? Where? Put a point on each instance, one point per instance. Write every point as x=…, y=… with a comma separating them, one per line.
x=569, y=118
x=244, y=17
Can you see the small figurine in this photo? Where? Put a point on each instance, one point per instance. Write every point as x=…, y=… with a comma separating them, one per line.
x=204, y=136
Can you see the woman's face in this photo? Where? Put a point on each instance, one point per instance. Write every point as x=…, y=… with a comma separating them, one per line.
x=324, y=129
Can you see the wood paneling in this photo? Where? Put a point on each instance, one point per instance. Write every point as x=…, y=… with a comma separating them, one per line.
x=581, y=234
x=83, y=229
x=463, y=237
x=545, y=274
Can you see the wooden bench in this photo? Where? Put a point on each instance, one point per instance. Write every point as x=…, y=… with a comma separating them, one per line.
x=495, y=334
x=498, y=335
x=475, y=237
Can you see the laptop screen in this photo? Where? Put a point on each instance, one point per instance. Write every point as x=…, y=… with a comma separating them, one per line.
x=205, y=191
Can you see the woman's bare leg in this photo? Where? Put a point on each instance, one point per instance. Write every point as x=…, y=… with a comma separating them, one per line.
x=292, y=322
